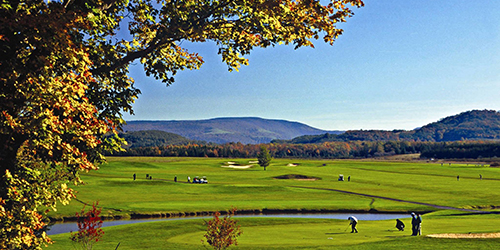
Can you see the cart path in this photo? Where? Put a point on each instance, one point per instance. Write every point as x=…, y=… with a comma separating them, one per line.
x=394, y=199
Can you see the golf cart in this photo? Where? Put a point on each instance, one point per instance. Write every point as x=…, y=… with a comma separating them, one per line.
x=202, y=180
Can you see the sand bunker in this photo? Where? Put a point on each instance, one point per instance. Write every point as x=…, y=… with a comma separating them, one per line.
x=292, y=165
x=465, y=236
x=237, y=166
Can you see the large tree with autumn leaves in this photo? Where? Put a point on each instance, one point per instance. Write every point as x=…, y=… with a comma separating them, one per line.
x=64, y=80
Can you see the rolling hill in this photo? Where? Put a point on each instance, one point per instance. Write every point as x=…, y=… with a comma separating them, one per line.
x=247, y=130
x=469, y=125
x=154, y=138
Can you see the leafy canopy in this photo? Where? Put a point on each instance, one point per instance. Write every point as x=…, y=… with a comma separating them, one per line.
x=64, y=80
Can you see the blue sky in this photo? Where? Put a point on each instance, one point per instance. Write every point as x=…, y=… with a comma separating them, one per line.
x=399, y=65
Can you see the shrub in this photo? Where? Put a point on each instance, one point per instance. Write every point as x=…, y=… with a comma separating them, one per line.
x=89, y=227
x=222, y=233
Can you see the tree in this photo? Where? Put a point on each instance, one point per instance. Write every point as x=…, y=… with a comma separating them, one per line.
x=89, y=227
x=222, y=233
x=64, y=80
x=264, y=157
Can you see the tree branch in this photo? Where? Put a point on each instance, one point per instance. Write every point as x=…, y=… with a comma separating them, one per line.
x=159, y=40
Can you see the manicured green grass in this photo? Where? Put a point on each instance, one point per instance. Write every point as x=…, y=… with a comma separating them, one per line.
x=286, y=233
x=256, y=189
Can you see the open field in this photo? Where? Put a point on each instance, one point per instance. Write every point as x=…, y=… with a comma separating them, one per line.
x=381, y=186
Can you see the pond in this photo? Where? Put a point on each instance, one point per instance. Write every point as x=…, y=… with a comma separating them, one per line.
x=67, y=227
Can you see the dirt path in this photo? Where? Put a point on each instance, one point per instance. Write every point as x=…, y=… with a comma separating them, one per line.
x=393, y=199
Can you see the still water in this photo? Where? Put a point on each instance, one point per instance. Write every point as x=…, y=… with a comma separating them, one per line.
x=59, y=228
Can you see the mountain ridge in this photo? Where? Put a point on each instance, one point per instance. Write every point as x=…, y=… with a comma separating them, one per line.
x=468, y=125
x=247, y=130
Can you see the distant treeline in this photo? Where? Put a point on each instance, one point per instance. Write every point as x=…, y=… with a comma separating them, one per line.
x=469, y=150
x=328, y=150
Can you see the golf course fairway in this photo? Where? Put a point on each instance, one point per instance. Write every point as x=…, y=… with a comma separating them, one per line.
x=451, y=206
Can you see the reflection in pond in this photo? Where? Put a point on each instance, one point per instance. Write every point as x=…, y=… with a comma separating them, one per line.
x=67, y=227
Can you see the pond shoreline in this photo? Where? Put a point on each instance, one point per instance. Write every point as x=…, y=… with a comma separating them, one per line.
x=72, y=226
x=166, y=215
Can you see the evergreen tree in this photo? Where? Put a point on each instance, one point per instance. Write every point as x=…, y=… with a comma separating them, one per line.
x=264, y=157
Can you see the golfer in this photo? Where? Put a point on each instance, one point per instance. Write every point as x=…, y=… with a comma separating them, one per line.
x=400, y=225
x=353, y=222
x=415, y=225
x=419, y=225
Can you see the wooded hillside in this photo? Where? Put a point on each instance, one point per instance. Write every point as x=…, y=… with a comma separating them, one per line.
x=471, y=134
x=470, y=125
x=154, y=138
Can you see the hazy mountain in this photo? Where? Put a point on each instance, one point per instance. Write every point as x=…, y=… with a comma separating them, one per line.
x=470, y=125
x=249, y=130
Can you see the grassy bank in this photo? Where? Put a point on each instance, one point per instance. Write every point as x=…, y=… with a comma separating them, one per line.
x=286, y=233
